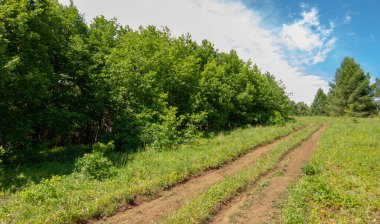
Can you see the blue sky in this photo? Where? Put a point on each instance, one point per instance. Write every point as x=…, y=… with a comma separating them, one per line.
x=356, y=28
x=301, y=43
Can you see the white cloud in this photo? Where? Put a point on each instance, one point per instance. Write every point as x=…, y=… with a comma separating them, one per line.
x=229, y=25
x=306, y=39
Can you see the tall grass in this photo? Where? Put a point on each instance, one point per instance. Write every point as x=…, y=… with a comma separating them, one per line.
x=70, y=198
x=341, y=182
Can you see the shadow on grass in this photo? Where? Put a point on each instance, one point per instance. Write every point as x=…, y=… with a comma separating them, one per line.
x=28, y=169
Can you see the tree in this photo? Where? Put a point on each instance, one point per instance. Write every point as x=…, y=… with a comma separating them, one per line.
x=65, y=82
x=319, y=105
x=350, y=92
x=301, y=109
x=39, y=80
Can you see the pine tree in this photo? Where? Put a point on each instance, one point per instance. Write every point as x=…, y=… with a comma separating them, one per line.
x=319, y=105
x=351, y=93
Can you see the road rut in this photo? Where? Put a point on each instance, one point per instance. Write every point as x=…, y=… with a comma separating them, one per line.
x=258, y=205
x=171, y=200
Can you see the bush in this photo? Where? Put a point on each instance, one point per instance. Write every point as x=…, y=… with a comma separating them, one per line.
x=165, y=134
x=95, y=165
x=276, y=119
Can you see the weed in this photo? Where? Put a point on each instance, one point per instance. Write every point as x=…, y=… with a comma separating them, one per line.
x=309, y=169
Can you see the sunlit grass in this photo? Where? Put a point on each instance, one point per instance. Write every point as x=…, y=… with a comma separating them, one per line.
x=67, y=199
x=201, y=208
x=344, y=185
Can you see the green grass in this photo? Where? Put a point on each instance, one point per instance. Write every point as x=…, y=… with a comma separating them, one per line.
x=70, y=198
x=202, y=207
x=341, y=182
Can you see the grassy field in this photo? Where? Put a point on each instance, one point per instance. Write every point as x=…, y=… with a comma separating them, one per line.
x=70, y=198
x=341, y=182
x=201, y=208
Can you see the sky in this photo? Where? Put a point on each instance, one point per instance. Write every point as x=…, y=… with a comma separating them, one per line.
x=300, y=43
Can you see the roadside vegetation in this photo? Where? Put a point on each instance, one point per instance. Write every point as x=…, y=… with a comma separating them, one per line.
x=78, y=197
x=94, y=114
x=202, y=207
x=66, y=83
x=341, y=182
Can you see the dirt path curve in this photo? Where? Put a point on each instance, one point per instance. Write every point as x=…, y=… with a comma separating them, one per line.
x=258, y=204
x=171, y=200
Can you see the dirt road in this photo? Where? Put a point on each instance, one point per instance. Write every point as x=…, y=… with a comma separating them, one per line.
x=171, y=200
x=259, y=203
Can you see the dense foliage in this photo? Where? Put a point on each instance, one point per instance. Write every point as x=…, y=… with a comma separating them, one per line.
x=96, y=165
x=65, y=82
x=319, y=105
x=299, y=109
x=351, y=93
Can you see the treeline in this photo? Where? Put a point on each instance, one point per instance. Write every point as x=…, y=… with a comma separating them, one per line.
x=351, y=94
x=65, y=82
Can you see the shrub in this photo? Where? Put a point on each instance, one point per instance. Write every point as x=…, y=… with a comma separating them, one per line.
x=165, y=134
x=95, y=165
x=47, y=189
x=276, y=119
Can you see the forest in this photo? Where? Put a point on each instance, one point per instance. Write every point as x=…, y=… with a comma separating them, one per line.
x=65, y=82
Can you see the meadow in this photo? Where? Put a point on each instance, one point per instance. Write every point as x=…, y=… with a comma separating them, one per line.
x=201, y=208
x=341, y=182
x=74, y=198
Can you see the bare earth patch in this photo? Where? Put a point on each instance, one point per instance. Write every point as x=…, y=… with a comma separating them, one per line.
x=258, y=204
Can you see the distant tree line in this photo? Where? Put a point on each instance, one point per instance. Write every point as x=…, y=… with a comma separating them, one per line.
x=351, y=94
x=65, y=82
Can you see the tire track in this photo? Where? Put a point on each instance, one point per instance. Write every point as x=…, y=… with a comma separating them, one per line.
x=171, y=200
x=258, y=204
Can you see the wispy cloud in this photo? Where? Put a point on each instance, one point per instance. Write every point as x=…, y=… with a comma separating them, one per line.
x=348, y=16
x=306, y=39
